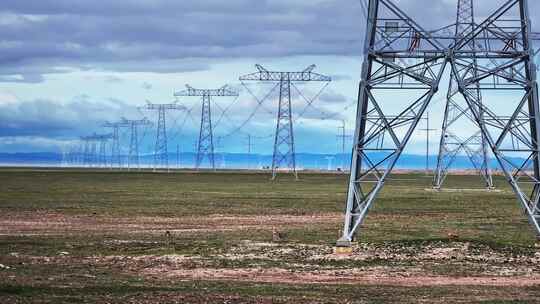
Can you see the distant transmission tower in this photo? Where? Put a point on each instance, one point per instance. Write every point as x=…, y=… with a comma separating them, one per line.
x=284, y=149
x=88, y=147
x=249, y=145
x=115, y=153
x=90, y=154
x=103, y=140
x=205, y=147
x=133, y=154
x=161, y=153
x=78, y=154
x=427, y=129
x=343, y=137
x=451, y=144
x=95, y=149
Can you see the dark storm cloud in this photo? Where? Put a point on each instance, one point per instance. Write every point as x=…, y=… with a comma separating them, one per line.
x=176, y=36
x=165, y=36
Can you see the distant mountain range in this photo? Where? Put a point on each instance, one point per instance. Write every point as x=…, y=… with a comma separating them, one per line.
x=238, y=160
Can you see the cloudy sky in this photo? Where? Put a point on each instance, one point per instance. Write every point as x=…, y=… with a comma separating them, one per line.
x=67, y=66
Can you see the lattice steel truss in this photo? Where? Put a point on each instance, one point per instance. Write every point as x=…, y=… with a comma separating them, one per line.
x=116, y=159
x=452, y=143
x=402, y=70
x=161, y=153
x=133, y=126
x=284, y=156
x=95, y=150
x=89, y=151
x=205, y=145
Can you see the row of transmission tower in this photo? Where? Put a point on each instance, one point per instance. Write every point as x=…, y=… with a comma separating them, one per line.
x=283, y=159
x=92, y=151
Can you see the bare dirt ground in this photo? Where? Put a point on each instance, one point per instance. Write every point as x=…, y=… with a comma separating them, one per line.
x=368, y=265
x=281, y=262
x=50, y=223
x=397, y=266
x=455, y=247
x=352, y=276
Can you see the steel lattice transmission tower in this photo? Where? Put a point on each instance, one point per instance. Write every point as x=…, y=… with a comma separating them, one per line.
x=343, y=137
x=452, y=143
x=102, y=156
x=133, y=125
x=284, y=149
x=408, y=61
x=95, y=149
x=89, y=153
x=115, y=155
x=161, y=154
x=205, y=146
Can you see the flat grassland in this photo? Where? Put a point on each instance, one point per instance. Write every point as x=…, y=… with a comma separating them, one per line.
x=72, y=236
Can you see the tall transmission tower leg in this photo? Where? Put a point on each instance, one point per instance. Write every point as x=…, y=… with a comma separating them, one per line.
x=534, y=111
x=284, y=150
x=205, y=146
x=382, y=131
x=514, y=139
x=485, y=170
x=440, y=171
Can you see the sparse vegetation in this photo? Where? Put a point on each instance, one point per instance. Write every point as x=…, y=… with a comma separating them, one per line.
x=117, y=237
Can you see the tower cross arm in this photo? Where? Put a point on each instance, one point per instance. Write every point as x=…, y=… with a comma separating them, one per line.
x=128, y=122
x=166, y=106
x=97, y=137
x=118, y=124
x=266, y=75
x=223, y=91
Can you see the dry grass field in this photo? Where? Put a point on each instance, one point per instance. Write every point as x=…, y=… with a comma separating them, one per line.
x=71, y=236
